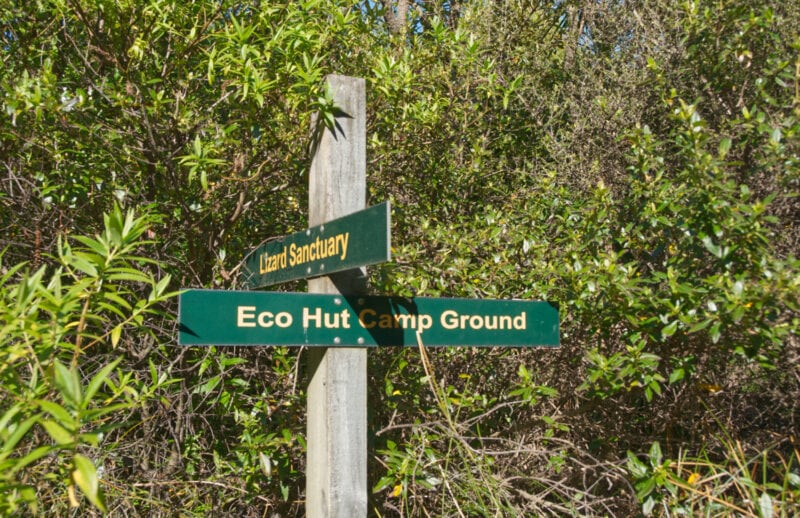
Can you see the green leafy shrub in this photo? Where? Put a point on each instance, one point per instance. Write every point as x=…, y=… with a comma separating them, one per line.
x=63, y=392
x=765, y=484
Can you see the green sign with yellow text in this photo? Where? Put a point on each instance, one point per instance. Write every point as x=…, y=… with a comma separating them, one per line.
x=215, y=317
x=355, y=240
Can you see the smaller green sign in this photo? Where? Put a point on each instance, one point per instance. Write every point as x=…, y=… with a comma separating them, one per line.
x=352, y=241
x=222, y=317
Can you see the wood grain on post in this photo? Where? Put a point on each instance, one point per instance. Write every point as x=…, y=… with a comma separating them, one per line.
x=336, y=470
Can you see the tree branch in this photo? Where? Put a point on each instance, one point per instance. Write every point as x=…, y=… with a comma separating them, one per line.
x=395, y=15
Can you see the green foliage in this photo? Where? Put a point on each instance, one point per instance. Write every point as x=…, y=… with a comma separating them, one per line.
x=189, y=108
x=651, y=476
x=57, y=408
x=658, y=217
x=635, y=163
x=765, y=484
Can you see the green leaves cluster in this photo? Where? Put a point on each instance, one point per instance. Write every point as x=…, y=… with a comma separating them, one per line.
x=649, y=190
x=191, y=109
x=762, y=485
x=59, y=402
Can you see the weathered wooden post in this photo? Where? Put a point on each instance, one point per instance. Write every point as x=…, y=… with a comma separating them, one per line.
x=336, y=471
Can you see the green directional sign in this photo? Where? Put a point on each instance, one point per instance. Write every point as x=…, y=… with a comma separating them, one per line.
x=216, y=317
x=355, y=240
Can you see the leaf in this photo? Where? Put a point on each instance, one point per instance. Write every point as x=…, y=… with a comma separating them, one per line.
x=129, y=274
x=383, y=483
x=775, y=136
x=58, y=433
x=60, y=413
x=699, y=326
x=655, y=454
x=116, y=333
x=208, y=386
x=73, y=500
x=33, y=456
x=724, y=147
x=85, y=477
x=265, y=463
x=765, y=504
x=82, y=265
x=711, y=247
x=68, y=383
x=644, y=488
x=635, y=466
x=676, y=376
x=99, y=378
x=112, y=309
x=18, y=432
x=93, y=244
x=647, y=507
x=119, y=301
x=92, y=439
x=669, y=330
x=715, y=332
x=160, y=287
x=96, y=413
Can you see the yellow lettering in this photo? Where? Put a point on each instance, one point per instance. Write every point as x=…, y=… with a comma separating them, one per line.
x=452, y=320
x=405, y=321
x=424, y=322
x=463, y=323
x=322, y=250
x=332, y=320
x=343, y=239
x=317, y=317
x=265, y=319
x=243, y=313
x=246, y=317
x=520, y=321
x=449, y=319
x=386, y=321
x=476, y=322
x=283, y=319
x=363, y=321
x=271, y=263
x=345, y=319
x=491, y=322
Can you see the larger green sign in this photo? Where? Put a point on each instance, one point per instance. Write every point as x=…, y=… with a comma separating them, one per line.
x=215, y=317
x=358, y=239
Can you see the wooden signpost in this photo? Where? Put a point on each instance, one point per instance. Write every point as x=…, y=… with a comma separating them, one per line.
x=337, y=319
x=336, y=429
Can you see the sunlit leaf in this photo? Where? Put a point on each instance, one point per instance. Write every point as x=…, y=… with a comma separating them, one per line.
x=85, y=477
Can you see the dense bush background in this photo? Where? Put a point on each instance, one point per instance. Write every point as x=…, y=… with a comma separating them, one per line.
x=635, y=162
